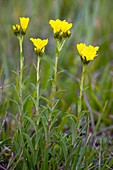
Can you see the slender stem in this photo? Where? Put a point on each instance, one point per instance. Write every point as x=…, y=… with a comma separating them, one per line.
x=37, y=92
x=55, y=71
x=62, y=45
x=38, y=85
x=84, y=67
x=20, y=79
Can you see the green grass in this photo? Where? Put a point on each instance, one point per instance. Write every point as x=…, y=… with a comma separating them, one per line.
x=66, y=148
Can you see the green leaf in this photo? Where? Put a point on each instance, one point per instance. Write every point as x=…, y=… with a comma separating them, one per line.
x=25, y=80
x=15, y=73
x=65, y=119
x=89, y=166
x=31, y=122
x=73, y=156
x=81, y=154
x=45, y=163
x=34, y=101
x=73, y=130
x=110, y=164
x=38, y=136
x=33, y=85
x=4, y=142
x=59, y=72
x=16, y=90
x=25, y=100
x=104, y=166
x=85, y=89
x=55, y=104
x=76, y=157
x=60, y=91
x=53, y=164
x=53, y=121
x=13, y=162
x=96, y=100
x=100, y=117
x=45, y=99
x=44, y=122
x=29, y=143
x=64, y=148
x=16, y=120
x=14, y=101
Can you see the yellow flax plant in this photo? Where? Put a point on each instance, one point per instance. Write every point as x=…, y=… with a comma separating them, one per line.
x=87, y=54
x=39, y=48
x=61, y=30
x=20, y=31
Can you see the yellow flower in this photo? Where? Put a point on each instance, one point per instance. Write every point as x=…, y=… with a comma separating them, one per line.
x=87, y=53
x=60, y=28
x=16, y=27
x=39, y=45
x=24, y=23
x=81, y=48
x=65, y=26
x=56, y=25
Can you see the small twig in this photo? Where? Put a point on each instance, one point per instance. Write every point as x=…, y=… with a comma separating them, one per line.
x=15, y=162
x=2, y=167
x=10, y=161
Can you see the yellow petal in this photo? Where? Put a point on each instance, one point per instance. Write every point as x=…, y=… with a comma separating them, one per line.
x=24, y=23
x=65, y=26
x=87, y=52
x=16, y=27
x=81, y=47
x=38, y=43
x=56, y=25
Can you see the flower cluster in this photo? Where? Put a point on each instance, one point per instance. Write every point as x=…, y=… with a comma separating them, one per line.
x=39, y=45
x=21, y=29
x=87, y=53
x=61, y=29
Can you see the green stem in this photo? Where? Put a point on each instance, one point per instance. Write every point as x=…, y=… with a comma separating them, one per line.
x=20, y=79
x=62, y=45
x=38, y=85
x=84, y=67
x=55, y=71
x=59, y=46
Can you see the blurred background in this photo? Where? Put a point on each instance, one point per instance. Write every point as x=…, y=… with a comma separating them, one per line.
x=92, y=24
